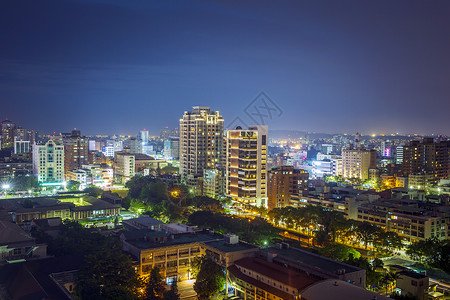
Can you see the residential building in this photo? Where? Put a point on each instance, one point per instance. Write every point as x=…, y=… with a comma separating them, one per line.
x=285, y=182
x=78, y=175
x=8, y=130
x=213, y=183
x=76, y=150
x=357, y=162
x=172, y=148
x=124, y=166
x=201, y=143
x=246, y=165
x=412, y=283
x=21, y=146
x=134, y=145
x=48, y=162
x=427, y=157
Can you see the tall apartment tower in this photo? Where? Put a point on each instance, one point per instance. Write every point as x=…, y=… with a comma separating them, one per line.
x=357, y=162
x=201, y=143
x=285, y=182
x=76, y=150
x=48, y=162
x=8, y=130
x=427, y=158
x=124, y=166
x=246, y=165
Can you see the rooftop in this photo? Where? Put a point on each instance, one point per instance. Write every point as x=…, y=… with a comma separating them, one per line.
x=276, y=272
x=221, y=245
x=412, y=274
x=11, y=233
x=340, y=290
x=311, y=259
x=179, y=239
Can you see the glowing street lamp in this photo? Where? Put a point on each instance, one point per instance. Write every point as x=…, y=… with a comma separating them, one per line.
x=6, y=187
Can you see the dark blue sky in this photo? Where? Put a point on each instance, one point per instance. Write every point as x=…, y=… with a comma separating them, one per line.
x=331, y=66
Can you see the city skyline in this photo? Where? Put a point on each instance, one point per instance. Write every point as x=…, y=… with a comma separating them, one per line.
x=112, y=67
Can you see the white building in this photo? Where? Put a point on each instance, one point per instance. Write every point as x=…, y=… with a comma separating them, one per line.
x=21, y=146
x=124, y=166
x=201, y=143
x=48, y=162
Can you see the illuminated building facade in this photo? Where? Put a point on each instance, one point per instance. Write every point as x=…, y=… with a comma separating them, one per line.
x=124, y=166
x=48, y=162
x=201, y=143
x=76, y=150
x=427, y=158
x=246, y=165
x=357, y=162
x=285, y=182
x=8, y=131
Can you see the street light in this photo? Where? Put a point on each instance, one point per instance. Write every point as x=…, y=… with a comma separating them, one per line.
x=5, y=187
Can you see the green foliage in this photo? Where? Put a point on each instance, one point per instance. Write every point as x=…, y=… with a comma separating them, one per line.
x=210, y=279
x=256, y=231
x=372, y=278
x=136, y=184
x=107, y=275
x=169, y=170
x=339, y=252
x=25, y=183
x=155, y=286
x=432, y=251
x=173, y=293
x=126, y=202
x=73, y=186
x=207, y=203
x=78, y=240
x=94, y=191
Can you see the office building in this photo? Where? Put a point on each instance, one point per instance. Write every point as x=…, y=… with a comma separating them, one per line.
x=283, y=183
x=76, y=150
x=134, y=145
x=21, y=146
x=201, y=143
x=124, y=166
x=246, y=165
x=8, y=130
x=143, y=136
x=172, y=148
x=357, y=162
x=48, y=162
x=427, y=157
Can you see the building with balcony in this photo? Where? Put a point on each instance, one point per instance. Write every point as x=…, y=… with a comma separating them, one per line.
x=246, y=165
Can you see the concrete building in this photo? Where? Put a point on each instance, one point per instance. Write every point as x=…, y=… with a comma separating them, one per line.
x=134, y=145
x=21, y=146
x=172, y=148
x=201, y=143
x=48, y=162
x=143, y=136
x=246, y=165
x=78, y=175
x=285, y=182
x=399, y=155
x=124, y=166
x=357, y=162
x=8, y=130
x=76, y=150
x=213, y=183
x=428, y=158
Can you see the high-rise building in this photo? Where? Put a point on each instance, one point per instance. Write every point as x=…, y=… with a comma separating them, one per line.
x=285, y=182
x=143, y=136
x=201, y=143
x=357, y=162
x=172, y=148
x=48, y=162
x=124, y=166
x=399, y=155
x=427, y=157
x=134, y=145
x=76, y=150
x=21, y=146
x=8, y=132
x=246, y=165
x=164, y=133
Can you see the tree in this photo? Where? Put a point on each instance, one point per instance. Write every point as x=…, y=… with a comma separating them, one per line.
x=173, y=293
x=155, y=285
x=73, y=185
x=107, y=275
x=93, y=190
x=210, y=278
x=367, y=232
x=25, y=183
x=339, y=252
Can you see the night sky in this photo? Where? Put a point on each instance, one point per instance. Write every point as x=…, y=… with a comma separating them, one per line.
x=331, y=66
